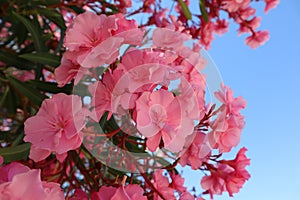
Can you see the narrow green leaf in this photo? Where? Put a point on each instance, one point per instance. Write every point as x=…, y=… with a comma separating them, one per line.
x=186, y=11
x=45, y=2
x=77, y=10
x=51, y=87
x=42, y=58
x=18, y=139
x=34, y=30
x=203, y=10
x=11, y=102
x=15, y=153
x=53, y=16
x=31, y=93
x=3, y=97
x=11, y=59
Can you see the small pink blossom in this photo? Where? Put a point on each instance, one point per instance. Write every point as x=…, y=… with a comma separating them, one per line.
x=225, y=134
x=257, y=39
x=145, y=69
x=233, y=105
x=128, y=30
x=177, y=182
x=244, y=14
x=129, y=192
x=236, y=180
x=161, y=183
x=206, y=34
x=169, y=38
x=19, y=182
x=221, y=26
x=254, y=23
x=240, y=162
x=197, y=151
x=227, y=127
x=228, y=175
x=271, y=4
x=68, y=70
x=56, y=127
x=103, y=91
x=213, y=184
x=235, y=5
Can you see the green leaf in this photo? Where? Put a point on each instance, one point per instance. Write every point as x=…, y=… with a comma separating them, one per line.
x=25, y=89
x=11, y=59
x=3, y=97
x=77, y=10
x=45, y=2
x=19, y=31
x=11, y=102
x=34, y=31
x=203, y=10
x=185, y=9
x=51, y=87
x=42, y=58
x=53, y=16
x=15, y=153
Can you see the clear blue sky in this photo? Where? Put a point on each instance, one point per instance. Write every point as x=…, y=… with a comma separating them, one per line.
x=269, y=79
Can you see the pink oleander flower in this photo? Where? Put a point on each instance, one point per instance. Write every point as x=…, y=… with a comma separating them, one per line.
x=244, y=14
x=145, y=69
x=128, y=30
x=227, y=127
x=19, y=182
x=160, y=116
x=221, y=26
x=254, y=23
x=56, y=127
x=240, y=162
x=213, y=184
x=225, y=133
x=237, y=179
x=228, y=175
x=94, y=40
x=168, y=38
x=197, y=151
x=68, y=70
x=271, y=4
x=206, y=34
x=177, y=182
x=161, y=183
x=103, y=92
x=129, y=192
x=257, y=39
x=233, y=105
x=235, y=5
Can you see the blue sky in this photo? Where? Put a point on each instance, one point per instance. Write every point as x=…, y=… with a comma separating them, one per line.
x=269, y=79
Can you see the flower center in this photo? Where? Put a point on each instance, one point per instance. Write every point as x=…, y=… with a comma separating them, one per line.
x=158, y=115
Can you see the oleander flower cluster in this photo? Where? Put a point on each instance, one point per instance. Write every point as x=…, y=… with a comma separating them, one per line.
x=147, y=92
x=97, y=105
